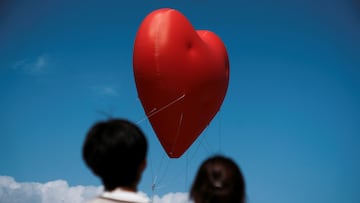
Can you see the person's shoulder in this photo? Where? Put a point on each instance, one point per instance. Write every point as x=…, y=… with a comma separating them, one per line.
x=101, y=200
x=106, y=200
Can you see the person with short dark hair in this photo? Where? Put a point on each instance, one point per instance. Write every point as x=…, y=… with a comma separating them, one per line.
x=218, y=180
x=115, y=150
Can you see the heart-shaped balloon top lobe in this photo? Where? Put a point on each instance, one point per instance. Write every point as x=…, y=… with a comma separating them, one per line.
x=181, y=77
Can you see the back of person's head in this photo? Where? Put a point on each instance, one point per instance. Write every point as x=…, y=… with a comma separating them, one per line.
x=218, y=180
x=115, y=150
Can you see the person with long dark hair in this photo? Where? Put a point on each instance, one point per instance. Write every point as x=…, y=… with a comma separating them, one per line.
x=218, y=180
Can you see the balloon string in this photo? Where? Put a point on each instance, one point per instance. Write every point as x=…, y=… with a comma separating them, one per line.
x=177, y=132
x=155, y=111
x=220, y=133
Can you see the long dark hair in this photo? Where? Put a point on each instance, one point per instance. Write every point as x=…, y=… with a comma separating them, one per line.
x=218, y=180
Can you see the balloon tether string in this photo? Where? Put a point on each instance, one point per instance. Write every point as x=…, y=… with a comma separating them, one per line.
x=155, y=111
x=177, y=132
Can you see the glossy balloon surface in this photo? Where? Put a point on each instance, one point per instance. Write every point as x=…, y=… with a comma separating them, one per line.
x=181, y=77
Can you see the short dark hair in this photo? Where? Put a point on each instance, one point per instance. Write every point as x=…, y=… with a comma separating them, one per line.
x=218, y=180
x=114, y=150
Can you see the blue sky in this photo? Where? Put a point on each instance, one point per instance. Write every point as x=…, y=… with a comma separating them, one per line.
x=290, y=119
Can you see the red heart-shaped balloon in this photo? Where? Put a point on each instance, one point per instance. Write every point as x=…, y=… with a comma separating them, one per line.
x=181, y=77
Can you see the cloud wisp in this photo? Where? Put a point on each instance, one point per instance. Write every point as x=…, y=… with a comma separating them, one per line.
x=33, y=67
x=59, y=191
x=106, y=90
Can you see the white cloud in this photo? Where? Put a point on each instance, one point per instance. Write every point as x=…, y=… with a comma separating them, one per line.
x=34, y=66
x=59, y=191
x=55, y=192
x=177, y=197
